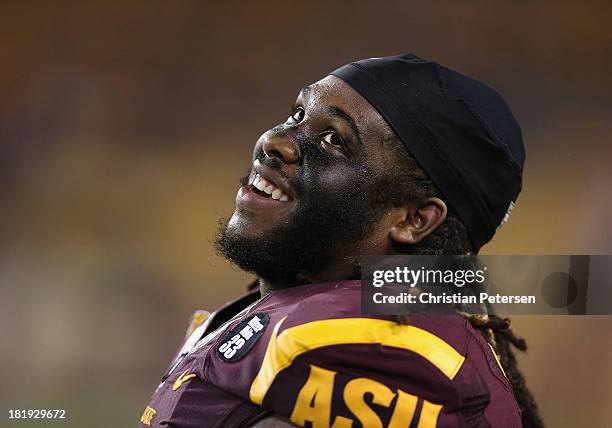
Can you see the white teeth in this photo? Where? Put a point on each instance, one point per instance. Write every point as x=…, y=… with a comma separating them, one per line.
x=266, y=186
x=261, y=185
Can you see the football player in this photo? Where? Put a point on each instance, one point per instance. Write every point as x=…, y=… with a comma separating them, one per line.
x=385, y=156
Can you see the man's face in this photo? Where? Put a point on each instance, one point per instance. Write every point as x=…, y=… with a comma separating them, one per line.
x=309, y=200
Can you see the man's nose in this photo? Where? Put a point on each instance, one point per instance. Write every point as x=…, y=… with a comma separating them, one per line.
x=281, y=146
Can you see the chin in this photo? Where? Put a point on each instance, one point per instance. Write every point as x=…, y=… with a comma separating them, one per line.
x=249, y=225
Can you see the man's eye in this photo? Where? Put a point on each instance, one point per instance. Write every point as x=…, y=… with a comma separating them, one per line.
x=298, y=116
x=333, y=139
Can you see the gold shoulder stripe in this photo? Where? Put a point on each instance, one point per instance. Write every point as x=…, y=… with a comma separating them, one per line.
x=291, y=343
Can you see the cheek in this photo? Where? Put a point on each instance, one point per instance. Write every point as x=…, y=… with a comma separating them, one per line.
x=337, y=183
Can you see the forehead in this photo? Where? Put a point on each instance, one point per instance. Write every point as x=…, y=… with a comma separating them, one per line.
x=334, y=92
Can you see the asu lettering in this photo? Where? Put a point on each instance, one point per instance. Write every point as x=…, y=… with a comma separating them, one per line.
x=314, y=404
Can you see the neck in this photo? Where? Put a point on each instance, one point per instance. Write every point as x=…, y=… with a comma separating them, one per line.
x=348, y=272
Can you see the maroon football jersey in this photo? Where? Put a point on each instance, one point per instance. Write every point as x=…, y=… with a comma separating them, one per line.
x=308, y=353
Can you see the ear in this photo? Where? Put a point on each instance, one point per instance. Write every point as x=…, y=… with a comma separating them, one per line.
x=419, y=221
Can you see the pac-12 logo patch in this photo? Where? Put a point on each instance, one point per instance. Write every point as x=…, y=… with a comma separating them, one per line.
x=239, y=340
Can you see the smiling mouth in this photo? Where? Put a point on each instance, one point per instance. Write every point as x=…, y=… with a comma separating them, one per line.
x=266, y=188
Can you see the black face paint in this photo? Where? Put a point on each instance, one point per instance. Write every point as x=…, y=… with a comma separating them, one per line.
x=332, y=212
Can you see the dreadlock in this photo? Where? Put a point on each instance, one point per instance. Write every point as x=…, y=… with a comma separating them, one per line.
x=451, y=238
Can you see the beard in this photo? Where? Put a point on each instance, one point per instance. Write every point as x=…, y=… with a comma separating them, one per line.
x=319, y=230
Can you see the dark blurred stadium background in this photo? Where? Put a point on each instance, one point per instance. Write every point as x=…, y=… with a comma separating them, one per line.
x=124, y=127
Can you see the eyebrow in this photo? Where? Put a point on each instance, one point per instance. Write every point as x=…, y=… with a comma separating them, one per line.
x=337, y=112
x=341, y=114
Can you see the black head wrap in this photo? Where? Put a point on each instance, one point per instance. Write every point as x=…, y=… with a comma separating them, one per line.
x=459, y=130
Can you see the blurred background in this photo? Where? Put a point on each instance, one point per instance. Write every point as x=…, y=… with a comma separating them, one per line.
x=124, y=127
